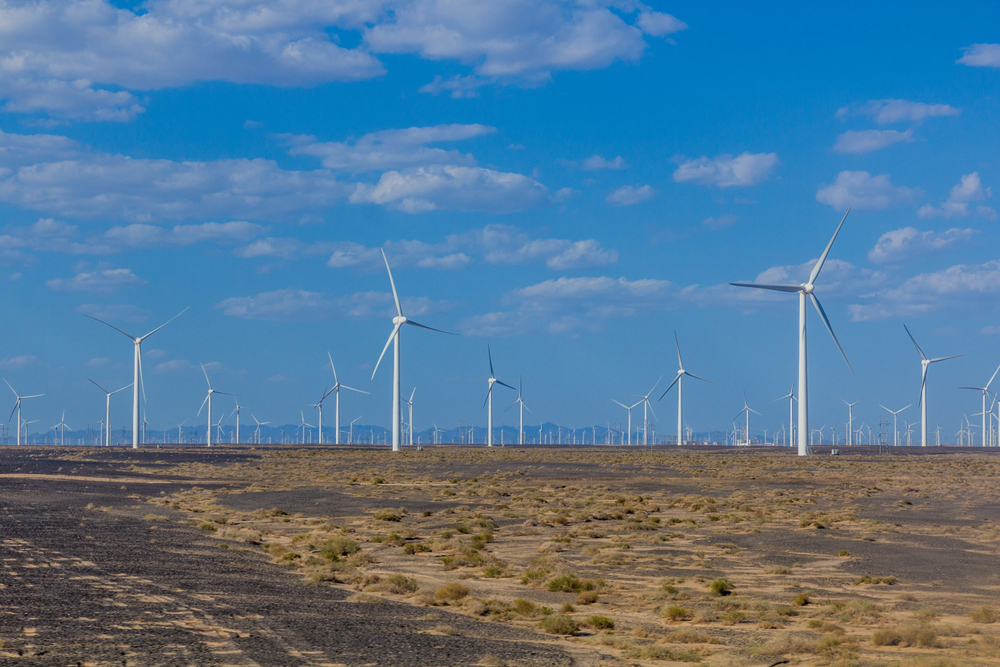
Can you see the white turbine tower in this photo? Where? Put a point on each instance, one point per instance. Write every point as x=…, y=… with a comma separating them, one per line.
x=137, y=383
x=895, y=427
x=629, y=409
x=489, y=399
x=208, y=400
x=985, y=390
x=107, y=410
x=647, y=406
x=319, y=407
x=806, y=291
x=256, y=432
x=350, y=437
x=850, y=421
x=237, y=413
x=791, y=412
x=747, y=409
x=17, y=409
x=924, y=365
x=303, y=426
x=520, y=437
x=397, y=324
x=409, y=403
x=337, y=387
x=62, y=425
x=679, y=381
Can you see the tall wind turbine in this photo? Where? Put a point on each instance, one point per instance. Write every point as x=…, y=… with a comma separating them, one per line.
x=679, y=381
x=237, y=413
x=985, y=391
x=746, y=409
x=520, y=437
x=319, y=407
x=17, y=408
x=137, y=383
x=806, y=291
x=257, y=430
x=107, y=410
x=208, y=400
x=303, y=426
x=895, y=428
x=62, y=425
x=489, y=399
x=791, y=403
x=350, y=436
x=397, y=324
x=924, y=365
x=337, y=387
x=850, y=421
x=409, y=403
x=629, y=409
x=646, y=405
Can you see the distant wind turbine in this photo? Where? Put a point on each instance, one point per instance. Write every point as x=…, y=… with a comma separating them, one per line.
x=302, y=426
x=208, y=400
x=629, y=409
x=746, y=409
x=409, y=403
x=17, y=408
x=62, y=425
x=850, y=421
x=107, y=410
x=237, y=413
x=397, y=324
x=520, y=437
x=924, y=365
x=679, y=381
x=646, y=405
x=895, y=428
x=137, y=383
x=805, y=292
x=489, y=399
x=257, y=430
x=985, y=390
x=336, y=388
x=791, y=406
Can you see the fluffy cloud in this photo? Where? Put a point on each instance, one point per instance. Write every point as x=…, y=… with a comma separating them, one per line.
x=896, y=111
x=867, y=141
x=596, y=163
x=908, y=243
x=106, y=280
x=923, y=293
x=302, y=305
x=981, y=55
x=969, y=190
x=627, y=195
x=720, y=222
x=20, y=361
x=861, y=190
x=151, y=236
x=727, y=171
x=457, y=86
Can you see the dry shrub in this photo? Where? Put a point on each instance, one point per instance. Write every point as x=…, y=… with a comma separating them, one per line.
x=364, y=598
x=524, y=607
x=446, y=630
x=559, y=624
x=154, y=517
x=676, y=613
x=337, y=547
x=238, y=535
x=397, y=584
x=690, y=636
x=389, y=514
x=922, y=636
x=985, y=614
x=587, y=597
x=657, y=652
x=451, y=592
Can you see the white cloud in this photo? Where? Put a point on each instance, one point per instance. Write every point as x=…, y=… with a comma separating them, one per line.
x=659, y=24
x=107, y=280
x=151, y=236
x=908, y=243
x=861, y=190
x=99, y=361
x=627, y=195
x=596, y=163
x=897, y=111
x=720, y=222
x=969, y=190
x=173, y=366
x=20, y=361
x=302, y=305
x=727, y=171
x=981, y=55
x=114, y=312
x=582, y=254
x=867, y=141
x=458, y=86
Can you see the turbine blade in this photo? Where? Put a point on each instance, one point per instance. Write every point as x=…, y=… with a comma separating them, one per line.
x=11, y=388
x=698, y=377
x=13, y=411
x=753, y=411
x=395, y=330
x=424, y=326
x=32, y=396
x=334, y=368
x=202, y=405
x=654, y=387
x=814, y=274
x=510, y=406
x=669, y=387
x=206, y=376
x=976, y=388
x=993, y=378
x=142, y=383
x=680, y=364
x=775, y=288
x=330, y=391
x=923, y=385
x=142, y=338
x=621, y=404
x=344, y=386
x=130, y=336
x=954, y=356
x=651, y=408
x=488, y=392
x=826, y=321
x=392, y=283
x=100, y=387
x=506, y=385
x=411, y=395
x=526, y=406
x=913, y=340
x=489, y=353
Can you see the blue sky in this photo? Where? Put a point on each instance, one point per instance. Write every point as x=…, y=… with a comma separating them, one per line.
x=568, y=182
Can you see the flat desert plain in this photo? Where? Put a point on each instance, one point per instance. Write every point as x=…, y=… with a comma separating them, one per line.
x=504, y=556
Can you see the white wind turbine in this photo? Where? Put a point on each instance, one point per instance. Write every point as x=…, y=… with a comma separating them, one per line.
x=850, y=421
x=319, y=407
x=520, y=437
x=410, y=404
x=237, y=413
x=256, y=432
x=62, y=425
x=208, y=400
x=895, y=428
x=397, y=324
x=985, y=390
x=17, y=408
x=806, y=291
x=924, y=365
x=646, y=405
x=489, y=399
x=679, y=381
x=629, y=409
x=303, y=426
x=791, y=411
x=747, y=409
x=137, y=383
x=107, y=410
x=337, y=387
x=350, y=437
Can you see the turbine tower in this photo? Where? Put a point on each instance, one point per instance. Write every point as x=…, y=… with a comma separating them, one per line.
x=985, y=390
x=791, y=411
x=924, y=365
x=337, y=387
x=319, y=406
x=237, y=413
x=850, y=421
x=137, y=383
x=257, y=430
x=208, y=400
x=107, y=410
x=746, y=409
x=489, y=399
x=397, y=324
x=646, y=405
x=806, y=291
x=679, y=381
x=520, y=437
x=62, y=425
x=409, y=404
x=629, y=408
x=895, y=428
x=17, y=408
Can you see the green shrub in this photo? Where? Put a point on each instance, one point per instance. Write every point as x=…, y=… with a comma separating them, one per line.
x=801, y=600
x=559, y=624
x=886, y=637
x=494, y=572
x=534, y=576
x=600, y=623
x=389, y=514
x=451, y=592
x=411, y=548
x=336, y=547
x=586, y=597
x=676, y=613
x=565, y=583
x=397, y=584
x=524, y=607
x=721, y=587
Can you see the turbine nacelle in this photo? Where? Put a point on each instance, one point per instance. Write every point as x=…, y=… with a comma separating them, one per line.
x=808, y=288
x=399, y=319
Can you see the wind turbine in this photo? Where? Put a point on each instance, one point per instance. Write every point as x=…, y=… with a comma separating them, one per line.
x=489, y=399
x=850, y=421
x=107, y=410
x=257, y=430
x=791, y=403
x=410, y=404
x=337, y=387
x=137, y=373
x=208, y=400
x=350, y=437
x=895, y=428
x=629, y=408
x=17, y=408
x=746, y=409
x=319, y=406
x=985, y=391
x=303, y=427
x=397, y=324
x=679, y=381
x=237, y=413
x=62, y=425
x=924, y=365
x=520, y=437
x=806, y=290
x=646, y=405
x=179, y=431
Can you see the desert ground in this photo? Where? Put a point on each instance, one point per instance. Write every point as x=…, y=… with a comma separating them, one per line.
x=504, y=556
